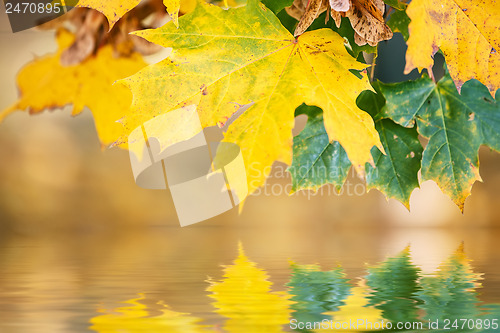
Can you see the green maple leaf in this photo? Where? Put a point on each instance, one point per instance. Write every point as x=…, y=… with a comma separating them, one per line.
x=398, y=22
x=277, y=5
x=396, y=4
x=316, y=160
x=455, y=124
x=396, y=173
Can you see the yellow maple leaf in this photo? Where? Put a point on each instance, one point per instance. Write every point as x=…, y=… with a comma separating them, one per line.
x=251, y=58
x=136, y=317
x=46, y=84
x=173, y=7
x=112, y=9
x=187, y=6
x=244, y=296
x=467, y=33
x=115, y=9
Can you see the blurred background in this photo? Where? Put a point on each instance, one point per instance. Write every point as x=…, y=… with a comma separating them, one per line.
x=77, y=233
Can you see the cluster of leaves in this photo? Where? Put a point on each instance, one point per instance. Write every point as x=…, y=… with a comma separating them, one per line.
x=392, y=291
x=225, y=58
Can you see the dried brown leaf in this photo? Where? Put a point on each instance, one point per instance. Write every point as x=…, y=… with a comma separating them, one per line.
x=86, y=39
x=366, y=16
x=367, y=20
x=313, y=9
x=337, y=17
x=340, y=5
x=91, y=31
x=297, y=9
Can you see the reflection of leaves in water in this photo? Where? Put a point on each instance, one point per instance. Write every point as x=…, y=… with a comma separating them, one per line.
x=316, y=291
x=135, y=317
x=356, y=307
x=450, y=293
x=395, y=283
x=489, y=312
x=392, y=291
x=244, y=296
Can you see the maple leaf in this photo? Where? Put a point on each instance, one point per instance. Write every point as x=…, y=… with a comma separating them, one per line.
x=456, y=126
x=396, y=173
x=466, y=31
x=277, y=5
x=398, y=22
x=173, y=7
x=249, y=57
x=115, y=9
x=46, y=84
x=112, y=9
x=316, y=160
x=396, y=4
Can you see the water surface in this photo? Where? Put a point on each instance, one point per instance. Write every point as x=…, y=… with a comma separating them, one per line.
x=206, y=279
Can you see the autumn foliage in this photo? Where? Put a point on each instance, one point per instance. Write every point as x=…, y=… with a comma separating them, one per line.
x=288, y=58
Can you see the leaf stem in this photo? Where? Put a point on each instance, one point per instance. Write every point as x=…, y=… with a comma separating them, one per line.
x=388, y=12
x=372, y=70
x=8, y=111
x=431, y=74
